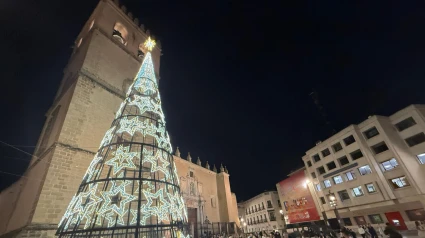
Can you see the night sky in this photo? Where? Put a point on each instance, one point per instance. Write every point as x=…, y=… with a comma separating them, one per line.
x=235, y=75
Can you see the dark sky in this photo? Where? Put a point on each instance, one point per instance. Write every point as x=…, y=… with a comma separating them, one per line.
x=235, y=75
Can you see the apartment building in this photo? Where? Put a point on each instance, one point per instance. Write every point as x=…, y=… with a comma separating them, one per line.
x=261, y=213
x=373, y=172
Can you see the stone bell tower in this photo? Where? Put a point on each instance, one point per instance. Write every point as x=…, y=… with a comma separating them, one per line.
x=106, y=57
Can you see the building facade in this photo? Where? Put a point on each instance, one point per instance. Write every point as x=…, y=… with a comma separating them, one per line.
x=261, y=213
x=105, y=59
x=373, y=172
x=299, y=201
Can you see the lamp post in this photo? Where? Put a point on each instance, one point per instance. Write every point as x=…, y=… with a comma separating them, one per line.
x=333, y=204
x=284, y=221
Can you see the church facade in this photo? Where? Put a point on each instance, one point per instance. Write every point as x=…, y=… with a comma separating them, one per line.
x=106, y=57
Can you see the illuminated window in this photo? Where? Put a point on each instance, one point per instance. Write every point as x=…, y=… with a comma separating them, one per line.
x=399, y=182
x=337, y=147
x=357, y=191
x=416, y=139
x=403, y=125
x=389, y=164
x=370, y=188
x=350, y=175
x=365, y=170
x=421, y=158
x=338, y=179
x=318, y=187
x=327, y=183
x=120, y=33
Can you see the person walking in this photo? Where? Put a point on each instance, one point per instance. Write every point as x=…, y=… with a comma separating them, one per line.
x=421, y=229
x=391, y=231
x=372, y=231
x=361, y=231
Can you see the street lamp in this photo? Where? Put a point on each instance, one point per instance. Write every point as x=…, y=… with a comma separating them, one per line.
x=284, y=221
x=333, y=204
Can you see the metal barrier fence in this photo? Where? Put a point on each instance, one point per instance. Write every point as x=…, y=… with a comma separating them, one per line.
x=206, y=230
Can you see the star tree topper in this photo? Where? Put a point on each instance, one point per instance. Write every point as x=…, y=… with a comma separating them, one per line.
x=149, y=44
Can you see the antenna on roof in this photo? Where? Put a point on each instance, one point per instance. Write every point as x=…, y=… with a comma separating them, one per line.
x=315, y=96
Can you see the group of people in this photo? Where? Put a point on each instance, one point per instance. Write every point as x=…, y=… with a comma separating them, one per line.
x=261, y=234
x=370, y=232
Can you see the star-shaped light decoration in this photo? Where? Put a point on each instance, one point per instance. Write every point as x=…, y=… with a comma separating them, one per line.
x=123, y=158
x=158, y=163
x=119, y=207
x=129, y=126
x=108, y=137
x=145, y=104
x=161, y=208
x=149, y=44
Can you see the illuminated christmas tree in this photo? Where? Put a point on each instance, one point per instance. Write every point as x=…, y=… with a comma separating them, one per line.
x=131, y=188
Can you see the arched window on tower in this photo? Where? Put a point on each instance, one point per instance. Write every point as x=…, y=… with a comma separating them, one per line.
x=120, y=33
x=140, y=51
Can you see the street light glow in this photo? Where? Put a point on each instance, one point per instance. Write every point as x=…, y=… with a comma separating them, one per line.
x=281, y=211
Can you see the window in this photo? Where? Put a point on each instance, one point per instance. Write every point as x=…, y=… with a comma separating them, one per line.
x=416, y=214
x=406, y=123
x=269, y=204
x=316, y=158
x=347, y=221
x=343, y=161
x=313, y=175
x=343, y=195
x=355, y=155
x=318, y=187
x=350, y=175
x=376, y=219
x=321, y=170
x=271, y=216
x=140, y=52
x=349, y=140
x=421, y=158
x=370, y=188
x=371, y=132
x=360, y=220
x=191, y=174
x=365, y=170
x=309, y=163
x=326, y=152
x=380, y=147
x=327, y=183
x=120, y=33
x=278, y=203
x=389, y=164
x=337, y=147
x=213, y=204
x=357, y=191
x=416, y=139
x=338, y=179
x=331, y=165
x=399, y=182
x=322, y=199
